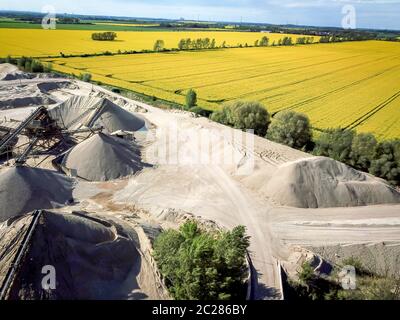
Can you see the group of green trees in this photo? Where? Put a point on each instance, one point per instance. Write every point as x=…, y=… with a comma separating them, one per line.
x=359, y=150
x=203, y=265
x=305, y=40
x=342, y=38
x=262, y=43
x=197, y=44
x=362, y=151
x=104, y=36
x=28, y=64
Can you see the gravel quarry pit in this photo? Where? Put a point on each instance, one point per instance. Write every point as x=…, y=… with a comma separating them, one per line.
x=288, y=198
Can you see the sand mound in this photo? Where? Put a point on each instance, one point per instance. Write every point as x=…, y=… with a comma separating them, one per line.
x=23, y=189
x=321, y=182
x=25, y=102
x=95, y=112
x=93, y=258
x=46, y=87
x=10, y=72
x=103, y=157
x=18, y=75
x=7, y=70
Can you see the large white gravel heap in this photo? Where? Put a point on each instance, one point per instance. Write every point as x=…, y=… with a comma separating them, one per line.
x=95, y=112
x=24, y=189
x=321, y=182
x=93, y=258
x=103, y=157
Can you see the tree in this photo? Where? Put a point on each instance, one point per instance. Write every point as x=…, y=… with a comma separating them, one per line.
x=191, y=99
x=182, y=44
x=290, y=128
x=246, y=115
x=301, y=40
x=336, y=144
x=386, y=162
x=363, y=151
x=104, y=36
x=264, y=41
x=324, y=39
x=159, y=45
x=220, y=116
x=36, y=66
x=287, y=41
x=256, y=43
x=87, y=77
x=203, y=265
x=213, y=44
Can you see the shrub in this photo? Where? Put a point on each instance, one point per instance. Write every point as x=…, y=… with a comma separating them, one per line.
x=191, y=99
x=87, y=77
x=200, y=111
x=200, y=265
x=363, y=151
x=159, y=45
x=386, y=162
x=290, y=128
x=48, y=67
x=244, y=115
x=28, y=66
x=306, y=273
x=104, y=36
x=220, y=116
x=249, y=115
x=36, y=66
x=336, y=144
x=357, y=264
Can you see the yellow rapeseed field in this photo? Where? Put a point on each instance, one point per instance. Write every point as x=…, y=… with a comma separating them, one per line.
x=351, y=84
x=42, y=43
x=127, y=24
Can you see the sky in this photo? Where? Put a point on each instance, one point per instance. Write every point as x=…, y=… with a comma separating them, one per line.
x=379, y=14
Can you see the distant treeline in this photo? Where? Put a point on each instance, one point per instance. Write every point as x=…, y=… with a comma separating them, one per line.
x=196, y=44
x=104, y=36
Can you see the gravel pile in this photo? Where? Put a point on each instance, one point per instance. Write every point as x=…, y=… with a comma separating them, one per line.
x=103, y=157
x=321, y=182
x=24, y=189
x=95, y=112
